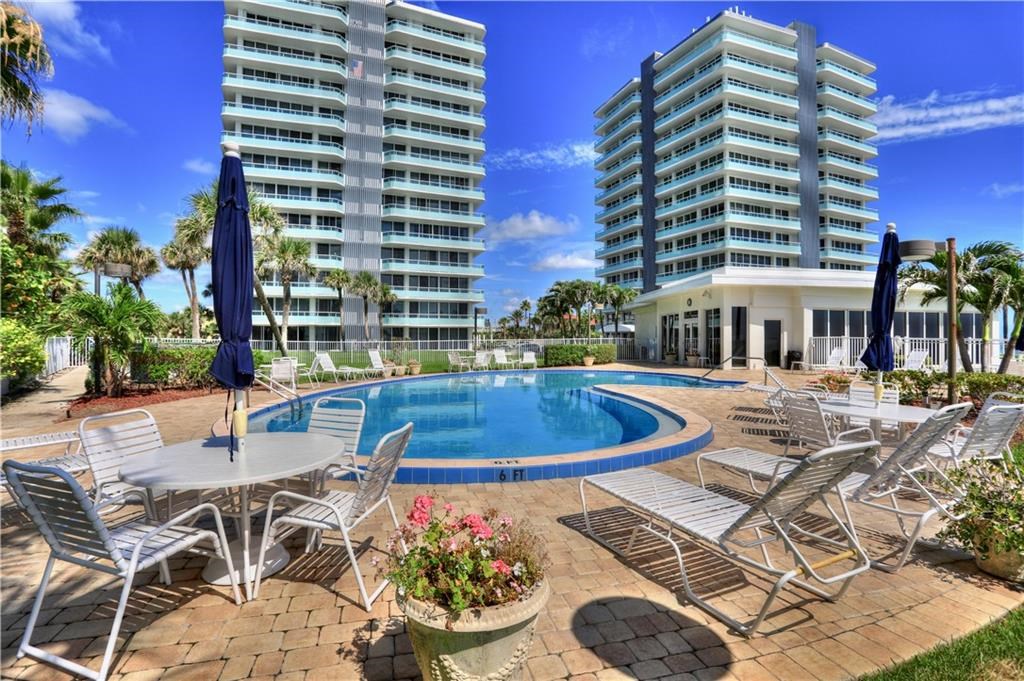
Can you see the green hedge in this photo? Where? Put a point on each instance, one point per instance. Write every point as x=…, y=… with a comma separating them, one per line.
x=915, y=385
x=21, y=352
x=179, y=367
x=572, y=355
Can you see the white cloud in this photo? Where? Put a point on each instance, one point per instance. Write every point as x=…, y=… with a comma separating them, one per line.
x=94, y=220
x=199, y=165
x=570, y=154
x=581, y=257
x=605, y=42
x=64, y=31
x=85, y=194
x=71, y=116
x=533, y=225
x=941, y=115
x=1001, y=191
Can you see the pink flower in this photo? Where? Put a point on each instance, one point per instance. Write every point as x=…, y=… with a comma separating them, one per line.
x=503, y=536
x=452, y=544
x=448, y=508
x=477, y=526
x=423, y=502
x=501, y=567
x=419, y=517
x=505, y=520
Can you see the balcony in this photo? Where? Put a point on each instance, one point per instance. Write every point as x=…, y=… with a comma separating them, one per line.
x=283, y=143
x=843, y=73
x=471, y=93
x=848, y=233
x=278, y=172
x=618, y=169
x=411, y=160
x=299, y=318
x=859, y=257
x=464, y=42
x=729, y=63
x=844, y=120
x=833, y=94
x=260, y=86
x=731, y=243
x=618, y=188
x=788, y=198
x=621, y=266
x=628, y=102
x=848, y=166
x=727, y=36
x=327, y=261
x=628, y=143
x=730, y=217
x=635, y=242
x=846, y=210
x=426, y=319
x=758, y=170
x=453, y=243
x=266, y=114
x=314, y=8
x=300, y=289
x=305, y=34
x=439, y=113
x=846, y=142
x=298, y=202
x=315, y=232
x=449, y=294
x=434, y=215
x=733, y=139
x=457, y=141
x=434, y=189
x=430, y=267
x=610, y=211
x=632, y=223
x=862, y=191
x=334, y=68
x=610, y=136
x=406, y=55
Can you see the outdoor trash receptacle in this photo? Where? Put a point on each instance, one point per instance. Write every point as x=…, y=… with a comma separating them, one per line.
x=793, y=356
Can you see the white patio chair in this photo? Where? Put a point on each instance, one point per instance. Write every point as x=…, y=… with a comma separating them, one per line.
x=310, y=372
x=988, y=438
x=669, y=505
x=72, y=461
x=863, y=391
x=340, y=417
x=772, y=383
x=482, y=360
x=340, y=511
x=897, y=476
x=502, y=361
x=282, y=372
x=72, y=526
x=529, y=358
x=108, y=439
x=456, y=362
x=377, y=367
x=808, y=425
x=916, y=360
x=836, y=360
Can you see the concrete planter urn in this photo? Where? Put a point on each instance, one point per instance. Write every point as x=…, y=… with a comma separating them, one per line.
x=487, y=644
x=588, y=361
x=692, y=360
x=414, y=369
x=1005, y=564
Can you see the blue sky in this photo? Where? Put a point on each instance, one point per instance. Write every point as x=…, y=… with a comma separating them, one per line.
x=133, y=122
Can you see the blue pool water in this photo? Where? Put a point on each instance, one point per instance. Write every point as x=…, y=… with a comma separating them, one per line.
x=492, y=415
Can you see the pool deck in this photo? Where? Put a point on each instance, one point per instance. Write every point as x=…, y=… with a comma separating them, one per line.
x=608, y=617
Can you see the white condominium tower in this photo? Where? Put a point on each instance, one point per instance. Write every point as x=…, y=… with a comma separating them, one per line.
x=360, y=122
x=747, y=144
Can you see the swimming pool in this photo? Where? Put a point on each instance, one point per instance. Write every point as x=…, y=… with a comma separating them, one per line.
x=499, y=415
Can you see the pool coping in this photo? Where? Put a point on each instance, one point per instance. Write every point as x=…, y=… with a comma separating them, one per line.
x=696, y=432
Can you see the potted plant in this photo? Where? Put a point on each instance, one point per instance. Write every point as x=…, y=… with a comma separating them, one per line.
x=988, y=517
x=414, y=366
x=471, y=588
x=670, y=358
x=390, y=369
x=692, y=358
x=588, y=356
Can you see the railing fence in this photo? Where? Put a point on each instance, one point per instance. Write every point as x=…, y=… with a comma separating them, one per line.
x=820, y=348
x=62, y=353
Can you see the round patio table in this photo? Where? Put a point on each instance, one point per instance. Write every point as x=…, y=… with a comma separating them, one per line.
x=875, y=413
x=205, y=464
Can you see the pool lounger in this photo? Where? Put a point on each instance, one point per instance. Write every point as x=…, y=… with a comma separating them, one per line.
x=731, y=526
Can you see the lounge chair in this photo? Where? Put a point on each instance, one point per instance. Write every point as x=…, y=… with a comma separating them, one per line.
x=772, y=383
x=808, y=425
x=340, y=511
x=72, y=461
x=377, y=366
x=282, y=372
x=456, y=362
x=327, y=366
x=989, y=437
x=916, y=360
x=72, y=525
x=310, y=372
x=482, y=360
x=898, y=475
x=670, y=505
x=529, y=358
x=502, y=361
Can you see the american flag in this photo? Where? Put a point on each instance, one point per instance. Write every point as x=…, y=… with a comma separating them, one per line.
x=357, y=68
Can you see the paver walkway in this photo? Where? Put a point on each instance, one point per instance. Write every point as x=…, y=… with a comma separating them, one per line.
x=608, y=618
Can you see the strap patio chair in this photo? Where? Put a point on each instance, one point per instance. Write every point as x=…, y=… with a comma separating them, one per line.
x=72, y=460
x=808, y=424
x=916, y=360
x=282, y=372
x=108, y=439
x=310, y=372
x=529, y=358
x=340, y=511
x=456, y=362
x=772, y=383
x=502, y=361
x=732, y=527
x=377, y=367
x=72, y=526
x=904, y=472
x=989, y=438
x=482, y=360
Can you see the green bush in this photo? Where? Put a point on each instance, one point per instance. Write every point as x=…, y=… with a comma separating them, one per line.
x=21, y=351
x=572, y=355
x=185, y=367
x=916, y=385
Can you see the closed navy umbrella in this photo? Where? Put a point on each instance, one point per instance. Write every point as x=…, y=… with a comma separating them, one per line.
x=232, y=287
x=879, y=356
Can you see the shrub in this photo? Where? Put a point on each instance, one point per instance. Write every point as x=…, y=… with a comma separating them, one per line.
x=572, y=355
x=185, y=367
x=21, y=351
x=989, y=517
x=916, y=385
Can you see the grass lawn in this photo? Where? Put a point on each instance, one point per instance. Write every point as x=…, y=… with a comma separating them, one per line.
x=993, y=653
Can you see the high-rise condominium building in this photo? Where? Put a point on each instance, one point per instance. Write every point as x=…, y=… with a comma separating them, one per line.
x=360, y=122
x=747, y=144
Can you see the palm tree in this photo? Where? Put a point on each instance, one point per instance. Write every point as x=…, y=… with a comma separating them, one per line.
x=118, y=324
x=366, y=286
x=290, y=259
x=267, y=226
x=24, y=60
x=618, y=298
x=526, y=306
x=121, y=245
x=1014, y=270
x=31, y=209
x=974, y=265
x=340, y=281
x=185, y=257
x=384, y=297
x=516, y=316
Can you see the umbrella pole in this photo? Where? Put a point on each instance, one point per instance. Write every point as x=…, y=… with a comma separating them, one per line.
x=240, y=421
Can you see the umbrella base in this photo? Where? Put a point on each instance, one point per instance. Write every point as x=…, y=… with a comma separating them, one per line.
x=216, y=570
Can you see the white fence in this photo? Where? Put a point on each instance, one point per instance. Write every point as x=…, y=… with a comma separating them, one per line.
x=61, y=354
x=820, y=348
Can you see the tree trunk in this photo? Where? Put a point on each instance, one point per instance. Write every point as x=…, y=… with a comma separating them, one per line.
x=138, y=289
x=1011, y=342
x=366, y=318
x=268, y=311
x=341, y=316
x=193, y=301
x=986, y=336
x=961, y=343
x=616, y=317
x=286, y=307
x=108, y=378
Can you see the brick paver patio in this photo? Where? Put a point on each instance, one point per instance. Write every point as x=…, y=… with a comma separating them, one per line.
x=608, y=618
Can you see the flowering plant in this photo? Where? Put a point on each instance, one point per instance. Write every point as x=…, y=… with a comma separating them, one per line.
x=463, y=561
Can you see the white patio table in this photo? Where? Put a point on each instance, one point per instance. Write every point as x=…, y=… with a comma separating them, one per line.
x=876, y=413
x=205, y=464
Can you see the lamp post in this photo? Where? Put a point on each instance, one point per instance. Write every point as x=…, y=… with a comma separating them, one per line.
x=923, y=250
x=110, y=269
x=477, y=311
